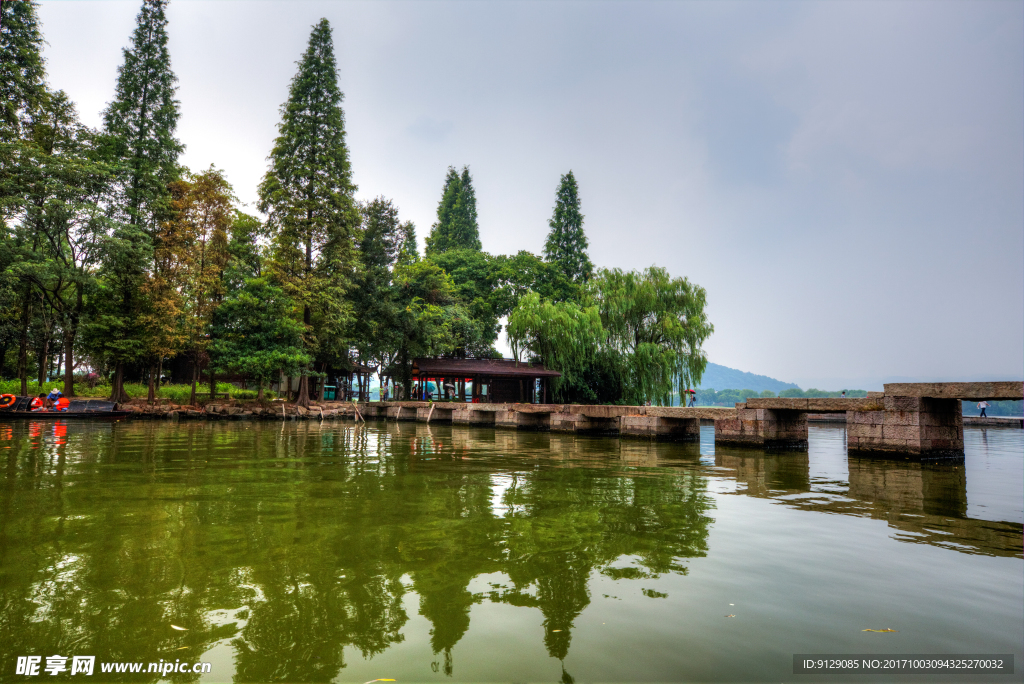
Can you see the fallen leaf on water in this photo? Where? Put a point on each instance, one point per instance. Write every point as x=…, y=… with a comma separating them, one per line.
x=878, y=630
x=556, y=630
x=730, y=616
x=180, y=629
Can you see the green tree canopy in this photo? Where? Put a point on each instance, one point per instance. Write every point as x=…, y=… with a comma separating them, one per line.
x=566, y=245
x=254, y=334
x=563, y=335
x=657, y=325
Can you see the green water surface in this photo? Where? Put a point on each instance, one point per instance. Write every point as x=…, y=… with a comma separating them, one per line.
x=312, y=552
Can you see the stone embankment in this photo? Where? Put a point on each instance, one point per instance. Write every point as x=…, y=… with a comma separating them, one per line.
x=277, y=410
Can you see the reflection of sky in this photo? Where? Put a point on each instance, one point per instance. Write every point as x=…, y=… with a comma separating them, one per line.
x=995, y=477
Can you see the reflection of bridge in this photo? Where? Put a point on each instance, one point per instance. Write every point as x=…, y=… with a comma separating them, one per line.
x=912, y=419
x=924, y=503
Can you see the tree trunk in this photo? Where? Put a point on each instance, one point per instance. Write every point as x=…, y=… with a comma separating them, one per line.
x=26, y=314
x=159, y=372
x=43, y=362
x=195, y=379
x=117, y=393
x=259, y=393
x=151, y=398
x=323, y=380
x=406, y=375
x=302, y=396
x=213, y=381
x=69, y=366
x=69, y=345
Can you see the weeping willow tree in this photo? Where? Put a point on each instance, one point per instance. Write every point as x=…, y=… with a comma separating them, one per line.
x=656, y=326
x=563, y=335
x=636, y=337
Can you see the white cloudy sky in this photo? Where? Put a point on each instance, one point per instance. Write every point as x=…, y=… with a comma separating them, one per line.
x=845, y=179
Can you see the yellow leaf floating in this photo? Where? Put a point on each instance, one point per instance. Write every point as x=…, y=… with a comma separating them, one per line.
x=878, y=630
x=180, y=629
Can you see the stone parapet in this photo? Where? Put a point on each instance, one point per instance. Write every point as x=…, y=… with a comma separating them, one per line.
x=817, y=405
x=964, y=391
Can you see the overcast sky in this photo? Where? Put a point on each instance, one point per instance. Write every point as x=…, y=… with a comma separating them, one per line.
x=846, y=180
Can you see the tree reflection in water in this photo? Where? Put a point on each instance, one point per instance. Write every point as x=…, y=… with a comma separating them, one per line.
x=309, y=536
x=288, y=543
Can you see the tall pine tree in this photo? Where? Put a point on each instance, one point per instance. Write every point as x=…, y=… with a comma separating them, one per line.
x=456, y=226
x=308, y=197
x=22, y=92
x=22, y=69
x=566, y=245
x=139, y=142
x=141, y=120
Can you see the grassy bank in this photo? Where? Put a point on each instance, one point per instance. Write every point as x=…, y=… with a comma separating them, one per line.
x=178, y=394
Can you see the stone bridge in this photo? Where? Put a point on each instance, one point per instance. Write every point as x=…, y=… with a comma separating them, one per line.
x=917, y=420
x=922, y=420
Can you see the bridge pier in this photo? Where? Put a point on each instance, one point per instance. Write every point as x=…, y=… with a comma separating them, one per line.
x=434, y=414
x=762, y=427
x=472, y=416
x=522, y=421
x=920, y=427
x=655, y=427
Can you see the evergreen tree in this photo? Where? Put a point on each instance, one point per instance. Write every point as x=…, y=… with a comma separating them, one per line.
x=465, y=232
x=439, y=239
x=22, y=89
x=308, y=197
x=456, y=226
x=139, y=141
x=22, y=69
x=141, y=120
x=410, y=251
x=566, y=245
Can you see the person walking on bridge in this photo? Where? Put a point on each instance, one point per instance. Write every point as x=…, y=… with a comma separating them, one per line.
x=983, y=405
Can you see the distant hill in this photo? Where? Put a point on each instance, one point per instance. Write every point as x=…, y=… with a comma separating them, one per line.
x=720, y=377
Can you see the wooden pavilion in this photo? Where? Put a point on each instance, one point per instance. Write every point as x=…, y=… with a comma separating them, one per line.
x=481, y=380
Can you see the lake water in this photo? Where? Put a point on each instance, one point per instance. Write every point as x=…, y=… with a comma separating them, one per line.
x=319, y=552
